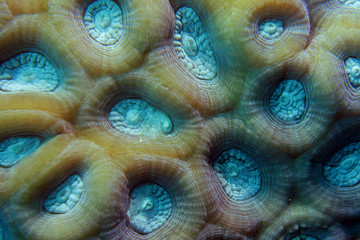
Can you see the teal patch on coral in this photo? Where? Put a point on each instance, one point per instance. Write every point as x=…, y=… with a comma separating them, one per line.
x=150, y=207
x=193, y=45
x=28, y=71
x=288, y=101
x=343, y=168
x=238, y=174
x=137, y=117
x=103, y=20
x=352, y=67
x=15, y=149
x=65, y=196
x=271, y=28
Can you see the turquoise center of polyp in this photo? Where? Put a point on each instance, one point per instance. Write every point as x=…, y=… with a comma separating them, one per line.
x=343, y=168
x=150, y=207
x=103, y=19
x=287, y=102
x=15, y=149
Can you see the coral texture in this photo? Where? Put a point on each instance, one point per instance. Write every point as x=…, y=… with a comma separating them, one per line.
x=179, y=119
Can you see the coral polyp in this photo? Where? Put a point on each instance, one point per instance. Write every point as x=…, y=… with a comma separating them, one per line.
x=150, y=207
x=271, y=28
x=28, y=72
x=193, y=46
x=103, y=20
x=343, y=168
x=238, y=174
x=288, y=100
x=352, y=66
x=179, y=119
x=65, y=196
x=137, y=117
x=13, y=149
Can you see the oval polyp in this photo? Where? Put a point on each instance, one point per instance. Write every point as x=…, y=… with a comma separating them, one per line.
x=150, y=207
x=103, y=20
x=29, y=71
x=138, y=117
x=15, y=149
x=65, y=196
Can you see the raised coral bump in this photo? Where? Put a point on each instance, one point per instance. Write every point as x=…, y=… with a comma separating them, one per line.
x=271, y=28
x=29, y=71
x=288, y=101
x=137, y=117
x=14, y=149
x=65, y=196
x=238, y=174
x=150, y=207
x=103, y=20
x=193, y=46
x=343, y=168
x=352, y=67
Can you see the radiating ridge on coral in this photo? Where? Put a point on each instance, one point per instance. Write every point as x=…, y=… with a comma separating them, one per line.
x=193, y=46
x=14, y=149
x=65, y=196
x=103, y=20
x=28, y=71
x=150, y=207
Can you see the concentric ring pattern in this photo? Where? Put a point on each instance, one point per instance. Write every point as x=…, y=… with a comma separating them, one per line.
x=179, y=119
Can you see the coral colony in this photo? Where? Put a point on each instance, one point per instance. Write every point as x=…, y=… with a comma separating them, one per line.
x=179, y=119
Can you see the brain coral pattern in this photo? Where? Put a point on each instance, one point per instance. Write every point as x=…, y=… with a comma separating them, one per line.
x=179, y=119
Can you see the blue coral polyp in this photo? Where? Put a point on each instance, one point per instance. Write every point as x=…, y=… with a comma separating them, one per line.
x=343, y=168
x=193, y=45
x=15, y=149
x=150, y=207
x=287, y=102
x=65, y=196
x=29, y=71
x=137, y=117
x=271, y=29
x=352, y=67
x=238, y=174
x=103, y=20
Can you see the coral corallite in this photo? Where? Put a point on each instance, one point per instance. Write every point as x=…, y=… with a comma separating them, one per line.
x=179, y=119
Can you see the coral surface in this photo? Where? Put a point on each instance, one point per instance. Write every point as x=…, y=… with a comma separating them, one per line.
x=179, y=119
